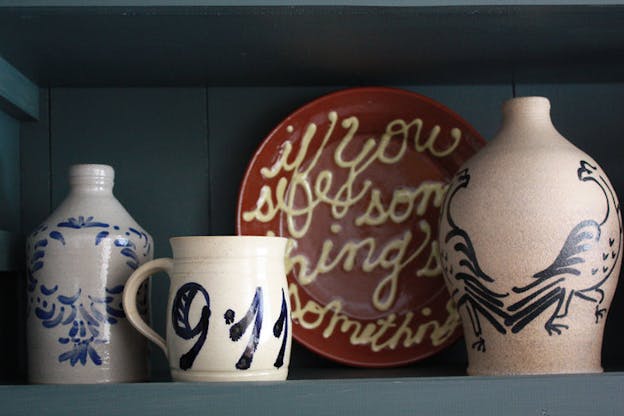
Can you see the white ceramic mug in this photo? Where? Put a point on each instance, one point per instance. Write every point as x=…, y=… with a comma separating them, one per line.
x=228, y=311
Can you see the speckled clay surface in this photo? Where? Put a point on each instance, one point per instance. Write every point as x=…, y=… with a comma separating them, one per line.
x=228, y=316
x=531, y=242
x=78, y=262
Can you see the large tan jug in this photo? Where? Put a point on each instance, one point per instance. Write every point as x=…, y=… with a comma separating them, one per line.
x=531, y=247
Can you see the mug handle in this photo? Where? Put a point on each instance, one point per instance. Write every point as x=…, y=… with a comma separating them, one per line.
x=129, y=298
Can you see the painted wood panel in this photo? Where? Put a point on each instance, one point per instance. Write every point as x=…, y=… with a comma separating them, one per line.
x=479, y=105
x=12, y=355
x=35, y=161
x=10, y=203
x=156, y=141
x=313, y=45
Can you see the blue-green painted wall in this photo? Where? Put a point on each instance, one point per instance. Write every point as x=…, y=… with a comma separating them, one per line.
x=12, y=357
x=10, y=201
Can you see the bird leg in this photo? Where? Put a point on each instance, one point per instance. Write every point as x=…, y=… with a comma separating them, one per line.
x=599, y=312
x=478, y=345
x=564, y=301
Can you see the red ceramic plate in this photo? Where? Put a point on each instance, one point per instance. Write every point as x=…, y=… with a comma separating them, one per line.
x=355, y=180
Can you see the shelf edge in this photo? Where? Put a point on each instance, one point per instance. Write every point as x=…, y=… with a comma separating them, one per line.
x=285, y=3
x=19, y=96
x=564, y=394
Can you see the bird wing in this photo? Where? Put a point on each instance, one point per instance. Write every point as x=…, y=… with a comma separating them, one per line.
x=572, y=257
x=555, y=284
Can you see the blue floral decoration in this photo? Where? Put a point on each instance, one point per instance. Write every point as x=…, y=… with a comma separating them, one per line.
x=84, y=317
x=81, y=222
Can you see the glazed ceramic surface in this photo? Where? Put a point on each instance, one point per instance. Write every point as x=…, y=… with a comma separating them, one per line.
x=355, y=180
x=78, y=262
x=531, y=247
x=228, y=316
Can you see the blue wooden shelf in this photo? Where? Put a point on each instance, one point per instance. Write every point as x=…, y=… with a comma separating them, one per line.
x=535, y=395
x=19, y=96
x=286, y=3
x=71, y=42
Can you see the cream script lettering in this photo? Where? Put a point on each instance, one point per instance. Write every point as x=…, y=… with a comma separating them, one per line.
x=302, y=186
x=406, y=330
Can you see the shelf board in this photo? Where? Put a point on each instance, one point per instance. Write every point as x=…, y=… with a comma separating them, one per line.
x=264, y=3
x=201, y=42
x=546, y=395
x=18, y=95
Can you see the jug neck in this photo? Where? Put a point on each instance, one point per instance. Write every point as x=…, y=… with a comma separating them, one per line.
x=92, y=179
x=527, y=113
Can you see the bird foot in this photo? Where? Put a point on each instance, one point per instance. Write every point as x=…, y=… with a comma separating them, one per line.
x=600, y=313
x=479, y=345
x=552, y=327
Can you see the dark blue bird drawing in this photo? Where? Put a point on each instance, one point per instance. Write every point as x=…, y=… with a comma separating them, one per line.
x=587, y=259
x=465, y=276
